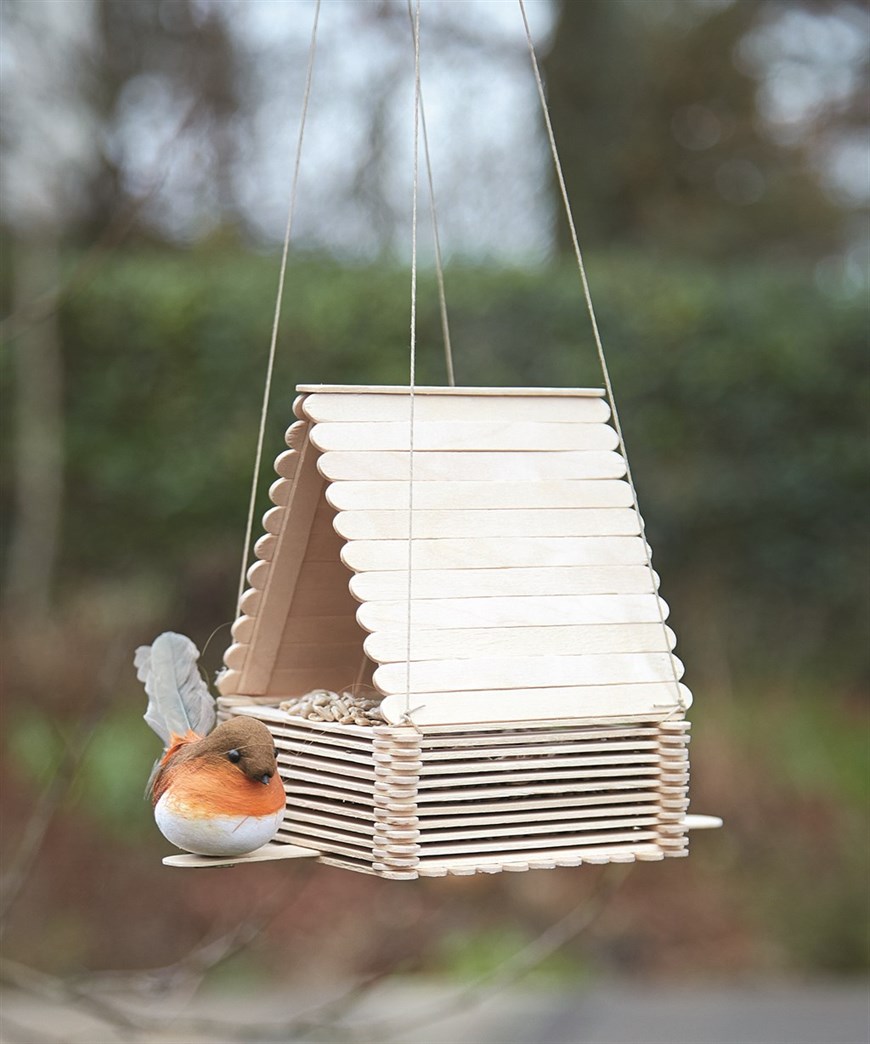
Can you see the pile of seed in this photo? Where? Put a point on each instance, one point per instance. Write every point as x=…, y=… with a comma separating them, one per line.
x=346, y=708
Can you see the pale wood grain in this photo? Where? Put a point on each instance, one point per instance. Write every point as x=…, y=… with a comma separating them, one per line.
x=375, y=434
x=532, y=611
x=439, y=742
x=480, y=494
x=334, y=824
x=353, y=769
x=291, y=748
x=493, y=553
x=322, y=590
x=392, y=646
x=393, y=465
x=323, y=630
x=329, y=656
x=517, y=830
x=392, y=402
x=236, y=655
x=284, y=569
x=286, y=464
x=328, y=797
x=547, y=841
x=457, y=524
x=273, y=519
x=228, y=682
x=526, y=672
x=536, y=787
x=319, y=731
x=583, y=762
x=445, y=390
x=324, y=545
x=383, y=586
x=597, y=777
x=273, y=850
x=243, y=628
x=287, y=682
x=257, y=574
x=559, y=857
x=279, y=491
x=325, y=844
x=535, y=808
x=330, y=782
x=302, y=735
x=265, y=547
x=295, y=434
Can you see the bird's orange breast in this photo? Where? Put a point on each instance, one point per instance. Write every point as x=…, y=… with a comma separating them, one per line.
x=206, y=787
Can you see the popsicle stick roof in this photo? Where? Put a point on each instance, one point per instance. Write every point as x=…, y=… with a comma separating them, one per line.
x=530, y=593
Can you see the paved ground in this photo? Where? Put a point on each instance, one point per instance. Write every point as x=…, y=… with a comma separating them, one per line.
x=768, y=1014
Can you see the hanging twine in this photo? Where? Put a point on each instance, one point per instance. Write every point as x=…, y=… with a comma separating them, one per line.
x=439, y=266
x=355, y=707
x=267, y=389
x=413, y=353
x=598, y=342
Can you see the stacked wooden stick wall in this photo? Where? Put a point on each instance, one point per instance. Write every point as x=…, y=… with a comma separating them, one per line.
x=405, y=803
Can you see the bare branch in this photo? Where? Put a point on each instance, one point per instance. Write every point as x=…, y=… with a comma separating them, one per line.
x=324, y=1020
x=52, y=988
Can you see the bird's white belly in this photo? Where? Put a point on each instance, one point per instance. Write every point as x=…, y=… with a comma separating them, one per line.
x=215, y=835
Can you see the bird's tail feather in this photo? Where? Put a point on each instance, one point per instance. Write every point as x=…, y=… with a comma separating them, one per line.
x=178, y=698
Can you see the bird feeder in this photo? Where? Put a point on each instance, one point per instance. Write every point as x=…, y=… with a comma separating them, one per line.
x=475, y=555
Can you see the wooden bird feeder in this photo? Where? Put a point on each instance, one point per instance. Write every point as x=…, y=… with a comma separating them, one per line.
x=532, y=712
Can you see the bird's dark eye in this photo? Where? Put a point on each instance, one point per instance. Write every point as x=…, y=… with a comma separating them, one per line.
x=234, y=756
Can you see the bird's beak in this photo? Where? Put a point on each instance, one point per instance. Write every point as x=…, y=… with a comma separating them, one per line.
x=266, y=778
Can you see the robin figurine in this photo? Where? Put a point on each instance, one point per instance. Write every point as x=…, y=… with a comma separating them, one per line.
x=215, y=791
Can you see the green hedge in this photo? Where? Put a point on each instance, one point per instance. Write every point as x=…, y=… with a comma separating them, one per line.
x=743, y=395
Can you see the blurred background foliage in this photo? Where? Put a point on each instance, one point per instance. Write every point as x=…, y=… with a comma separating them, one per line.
x=722, y=205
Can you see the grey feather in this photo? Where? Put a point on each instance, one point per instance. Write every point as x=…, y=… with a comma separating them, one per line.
x=178, y=698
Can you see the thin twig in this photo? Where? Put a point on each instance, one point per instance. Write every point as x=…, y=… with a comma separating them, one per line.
x=52, y=988
x=180, y=980
x=83, y=997
x=189, y=972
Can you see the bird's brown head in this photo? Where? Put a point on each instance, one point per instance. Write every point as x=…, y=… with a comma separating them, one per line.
x=245, y=743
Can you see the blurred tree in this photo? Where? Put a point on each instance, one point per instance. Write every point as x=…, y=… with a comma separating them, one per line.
x=165, y=78
x=741, y=392
x=87, y=80
x=657, y=108
x=46, y=158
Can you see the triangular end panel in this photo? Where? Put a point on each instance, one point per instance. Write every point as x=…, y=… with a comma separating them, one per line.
x=298, y=628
